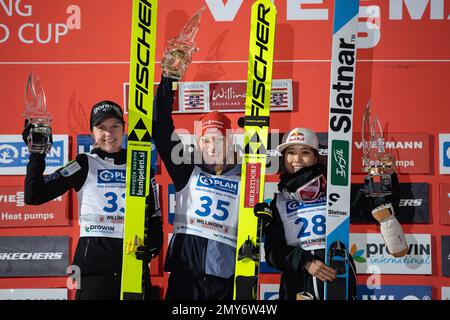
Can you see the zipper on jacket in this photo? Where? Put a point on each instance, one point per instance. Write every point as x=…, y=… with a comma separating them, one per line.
x=87, y=246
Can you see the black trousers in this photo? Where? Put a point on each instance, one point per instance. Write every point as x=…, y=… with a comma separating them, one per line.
x=99, y=287
x=107, y=287
x=185, y=286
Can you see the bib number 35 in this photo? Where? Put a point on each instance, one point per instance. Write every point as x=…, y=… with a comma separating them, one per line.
x=220, y=208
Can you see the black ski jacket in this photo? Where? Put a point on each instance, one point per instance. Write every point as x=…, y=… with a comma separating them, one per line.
x=93, y=255
x=186, y=253
x=291, y=260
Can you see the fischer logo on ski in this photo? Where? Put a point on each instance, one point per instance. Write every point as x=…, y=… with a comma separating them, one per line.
x=345, y=33
x=256, y=127
x=142, y=70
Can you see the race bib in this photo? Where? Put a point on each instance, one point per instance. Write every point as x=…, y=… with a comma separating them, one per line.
x=304, y=223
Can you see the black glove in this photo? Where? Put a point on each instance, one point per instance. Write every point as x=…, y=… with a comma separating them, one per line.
x=26, y=131
x=146, y=253
x=263, y=212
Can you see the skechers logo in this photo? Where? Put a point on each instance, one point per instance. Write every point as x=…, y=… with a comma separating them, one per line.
x=410, y=202
x=218, y=184
x=111, y=176
x=31, y=256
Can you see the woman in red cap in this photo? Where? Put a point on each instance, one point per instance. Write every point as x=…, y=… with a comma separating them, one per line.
x=101, y=204
x=201, y=253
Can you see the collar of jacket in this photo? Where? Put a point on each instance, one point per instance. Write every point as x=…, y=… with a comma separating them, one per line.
x=119, y=157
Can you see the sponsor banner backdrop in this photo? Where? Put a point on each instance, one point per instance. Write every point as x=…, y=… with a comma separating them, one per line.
x=34, y=256
x=33, y=294
x=445, y=248
x=411, y=204
x=444, y=153
x=14, y=154
x=269, y=291
x=15, y=213
x=370, y=253
x=409, y=292
x=411, y=151
x=444, y=202
x=445, y=293
x=228, y=96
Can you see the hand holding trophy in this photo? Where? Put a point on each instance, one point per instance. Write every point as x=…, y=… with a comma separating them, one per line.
x=178, y=52
x=38, y=133
x=380, y=164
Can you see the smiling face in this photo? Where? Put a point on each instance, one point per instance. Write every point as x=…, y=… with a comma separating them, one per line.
x=298, y=156
x=108, y=134
x=214, y=146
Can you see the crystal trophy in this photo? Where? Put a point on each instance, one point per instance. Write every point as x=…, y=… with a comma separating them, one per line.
x=178, y=52
x=379, y=164
x=40, y=135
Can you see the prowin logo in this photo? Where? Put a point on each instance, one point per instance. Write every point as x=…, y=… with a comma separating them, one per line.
x=99, y=228
x=7, y=256
x=8, y=154
x=410, y=202
x=217, y=183
x=375, y=250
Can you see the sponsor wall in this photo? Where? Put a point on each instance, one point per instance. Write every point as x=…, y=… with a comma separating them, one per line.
x=403, y=69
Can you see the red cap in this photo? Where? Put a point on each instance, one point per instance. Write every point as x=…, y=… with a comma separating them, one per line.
x=215, y=120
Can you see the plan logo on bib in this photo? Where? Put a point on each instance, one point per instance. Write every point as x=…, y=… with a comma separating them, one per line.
x=224, y=185
x=111, y=176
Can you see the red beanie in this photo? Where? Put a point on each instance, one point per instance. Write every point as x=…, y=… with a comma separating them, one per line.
x=215, y=120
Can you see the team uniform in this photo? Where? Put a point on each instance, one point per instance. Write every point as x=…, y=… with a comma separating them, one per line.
x=201, y=253
x=99, y=180
x=295, y=237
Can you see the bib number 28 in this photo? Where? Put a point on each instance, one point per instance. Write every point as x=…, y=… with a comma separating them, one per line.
x=318, y=226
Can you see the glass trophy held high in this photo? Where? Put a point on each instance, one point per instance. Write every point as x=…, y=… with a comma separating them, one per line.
x=379, y=164
x=178, y=52
x=40, y=136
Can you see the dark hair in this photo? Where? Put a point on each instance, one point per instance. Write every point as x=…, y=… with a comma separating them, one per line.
x=282, y=166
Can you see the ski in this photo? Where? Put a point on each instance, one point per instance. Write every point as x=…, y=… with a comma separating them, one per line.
x=343, y=64
x=256, y=130
x=142, y=70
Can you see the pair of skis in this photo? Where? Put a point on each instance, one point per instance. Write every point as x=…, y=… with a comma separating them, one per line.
x=256, y=130
x=343, y=66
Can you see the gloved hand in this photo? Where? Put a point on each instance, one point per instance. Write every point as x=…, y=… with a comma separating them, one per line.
x=262, y=210
x=146, y=253
x=391, y=230
x=26, y=131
